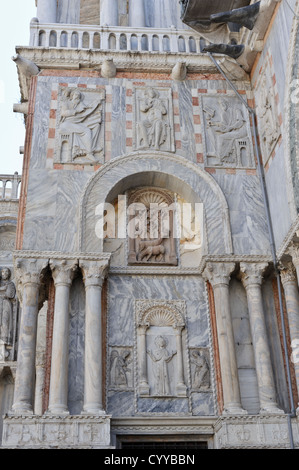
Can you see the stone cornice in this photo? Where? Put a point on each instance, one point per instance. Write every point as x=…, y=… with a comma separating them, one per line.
x=125, y=61
x=59, y=255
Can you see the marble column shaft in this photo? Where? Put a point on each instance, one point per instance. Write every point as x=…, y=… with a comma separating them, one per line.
x=109, y=13
x=94, y=274
x=219, y=275
x=136, y=13
x=290, y=286
x=28, y=275
x=252, y=281
x=143, y=380
x=63, y=273
x=47, y=11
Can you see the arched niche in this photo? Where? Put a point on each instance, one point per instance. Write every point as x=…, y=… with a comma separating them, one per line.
x=158, y=170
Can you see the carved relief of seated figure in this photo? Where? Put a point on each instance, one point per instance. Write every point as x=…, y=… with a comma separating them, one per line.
x=83, y=121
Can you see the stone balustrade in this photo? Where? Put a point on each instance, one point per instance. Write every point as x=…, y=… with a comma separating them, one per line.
x=9, y=186
x=114, y=38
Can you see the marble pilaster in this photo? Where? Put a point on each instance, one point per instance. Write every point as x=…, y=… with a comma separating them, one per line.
x=94, y=273
x=290, y=286
x=252, y=277
x=63, y=273
x=47, y=11
x=218, y=274
x=28, y=277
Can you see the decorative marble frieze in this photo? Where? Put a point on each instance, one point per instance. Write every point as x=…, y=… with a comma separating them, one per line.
x=56, y=432
x=227, y=133
x=80, y=125
x=153, y=119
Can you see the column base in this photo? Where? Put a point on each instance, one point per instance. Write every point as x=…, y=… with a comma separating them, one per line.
x=181, y=390
x=234, y=409
x=21, y=409
x=271, y=410
x=93, y=411
x=57, y=411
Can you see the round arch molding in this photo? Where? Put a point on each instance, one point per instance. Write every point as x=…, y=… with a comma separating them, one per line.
x=164, y=170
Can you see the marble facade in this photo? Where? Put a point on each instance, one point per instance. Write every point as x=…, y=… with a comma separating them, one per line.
x=176, y=333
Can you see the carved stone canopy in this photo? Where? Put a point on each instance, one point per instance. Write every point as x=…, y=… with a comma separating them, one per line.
x=160, y=313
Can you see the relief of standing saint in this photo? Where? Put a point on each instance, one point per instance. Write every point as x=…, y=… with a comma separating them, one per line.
x=161, y=357
x=7, y=294
x=201, y=373
x=153, y=129
x=83, y=121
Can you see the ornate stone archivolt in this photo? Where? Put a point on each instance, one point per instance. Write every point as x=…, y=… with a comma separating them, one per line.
x=153, y=119
x=80, y=126
x=227, y=133
x=161, y=348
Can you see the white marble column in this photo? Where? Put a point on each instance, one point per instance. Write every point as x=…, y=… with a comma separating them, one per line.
x=27, y=273
x=181, y=388
x=109, y=13
x=47, y=11
x=63, y=273
x=252, y=276
x=94, y=273
x=290, y=286
x=218, y=274
x=136, y=13
x=142, y=347
x=293, y=251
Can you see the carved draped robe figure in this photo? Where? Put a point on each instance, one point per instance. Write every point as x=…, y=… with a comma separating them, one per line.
x=153, y=129
x=83, y=121
x=7, y=293
x=161, y=357
x=201, y=374
x=232, y=126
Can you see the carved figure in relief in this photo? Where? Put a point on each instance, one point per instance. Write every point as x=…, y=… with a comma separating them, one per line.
x=119, y=369
x=7, y=294
x=266, y=114
x=83, y=122
x=161, y=357
x=201, y=371
x=223, y=132
x=153, y=129
x=151, y=249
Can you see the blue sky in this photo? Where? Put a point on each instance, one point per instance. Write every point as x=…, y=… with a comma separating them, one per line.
x=14, y=31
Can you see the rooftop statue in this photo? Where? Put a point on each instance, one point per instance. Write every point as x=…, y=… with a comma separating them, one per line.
x=216, y=19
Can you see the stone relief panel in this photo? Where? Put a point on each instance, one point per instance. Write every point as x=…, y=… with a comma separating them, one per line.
x=8, y=316
x=267, y=113
x=200, y=369
x=121, y=366
x=161, y=349
x=227, y=133
x=80, y=126
x=153, y=119
x=151, y=227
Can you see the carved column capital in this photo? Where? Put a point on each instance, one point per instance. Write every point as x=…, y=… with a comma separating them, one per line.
x=293, y=251
x=28, y=271
x=94, y=272
x=252, y=273
x=63, y=271
x=218, y=273
x=287, y=272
